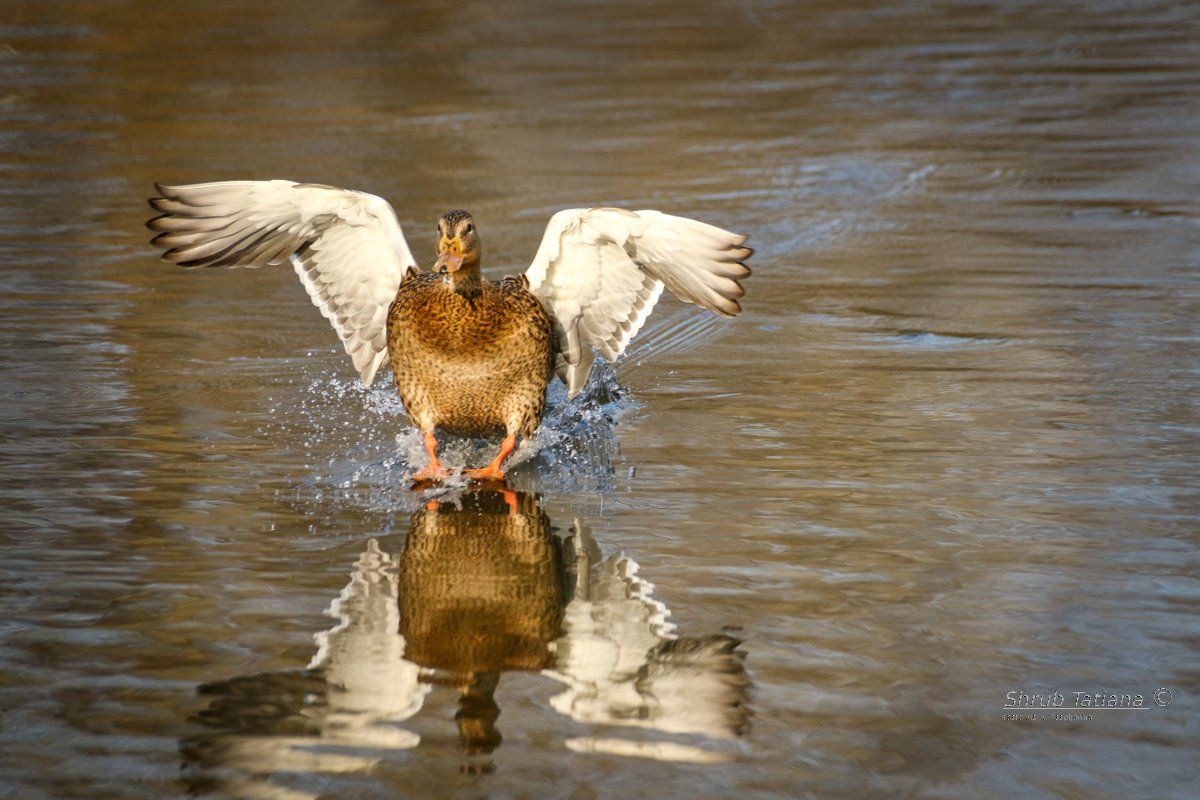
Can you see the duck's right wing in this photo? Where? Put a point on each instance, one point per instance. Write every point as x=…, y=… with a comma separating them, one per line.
x=346, y=246
x=601, y=270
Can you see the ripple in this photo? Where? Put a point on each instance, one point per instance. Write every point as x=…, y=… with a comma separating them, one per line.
x=928, y=340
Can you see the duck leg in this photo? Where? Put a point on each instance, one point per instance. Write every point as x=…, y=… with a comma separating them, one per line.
x=492, y=471
x=434, y=471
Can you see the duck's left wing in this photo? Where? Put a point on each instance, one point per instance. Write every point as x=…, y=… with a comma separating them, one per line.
x=600, y=271
x=346, y=246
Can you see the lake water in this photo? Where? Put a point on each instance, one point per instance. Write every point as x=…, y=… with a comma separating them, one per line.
x=949, y=451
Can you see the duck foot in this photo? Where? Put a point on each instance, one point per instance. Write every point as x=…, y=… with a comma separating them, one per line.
x=492, y=471
x=434, y=472
x=431, y=474
x=488, y=473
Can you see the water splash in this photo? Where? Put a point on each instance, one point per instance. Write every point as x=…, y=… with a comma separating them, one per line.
x=362, y=450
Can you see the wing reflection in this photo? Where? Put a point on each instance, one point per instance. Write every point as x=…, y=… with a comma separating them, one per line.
x=371, y=684
x=624, y=665
x=480, y=588
x=336, y=716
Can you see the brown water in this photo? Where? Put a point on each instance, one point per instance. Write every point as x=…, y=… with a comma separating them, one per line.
x=949, y=451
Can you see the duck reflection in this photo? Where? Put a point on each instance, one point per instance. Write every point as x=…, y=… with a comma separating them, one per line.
x=482, y=592
x=481, y=587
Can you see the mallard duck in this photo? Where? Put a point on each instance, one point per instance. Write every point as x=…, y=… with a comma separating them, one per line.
x=469, y=355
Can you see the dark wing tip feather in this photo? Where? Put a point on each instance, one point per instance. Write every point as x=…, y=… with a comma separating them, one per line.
x=171, y=205
x=740, y=254
x=741, y=272
x=182, y=260
x=157, y=241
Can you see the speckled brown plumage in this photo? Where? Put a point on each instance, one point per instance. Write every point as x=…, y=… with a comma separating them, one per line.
x=470, y=356
x=473, y=365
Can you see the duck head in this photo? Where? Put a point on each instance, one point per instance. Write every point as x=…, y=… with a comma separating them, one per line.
x=458, y=244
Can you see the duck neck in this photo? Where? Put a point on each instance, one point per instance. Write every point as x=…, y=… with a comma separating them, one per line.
x=467, y=280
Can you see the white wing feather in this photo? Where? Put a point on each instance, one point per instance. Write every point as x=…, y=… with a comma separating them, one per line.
x=601, y=270
x=346, y=246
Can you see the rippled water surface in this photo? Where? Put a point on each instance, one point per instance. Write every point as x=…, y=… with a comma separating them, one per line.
x=950, y=450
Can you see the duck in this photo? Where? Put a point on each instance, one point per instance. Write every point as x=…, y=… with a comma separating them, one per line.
x=469, y=356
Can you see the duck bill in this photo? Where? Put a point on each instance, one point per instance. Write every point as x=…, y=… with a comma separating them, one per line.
x=449, y=257
x=451, y=262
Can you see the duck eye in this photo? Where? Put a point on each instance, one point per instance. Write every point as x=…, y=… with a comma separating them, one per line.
x=469, y=228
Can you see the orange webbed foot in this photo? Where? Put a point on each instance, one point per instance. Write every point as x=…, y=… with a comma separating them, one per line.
x=431, y=474
x=434, y=471
x=488, y=473
x=492, y=471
